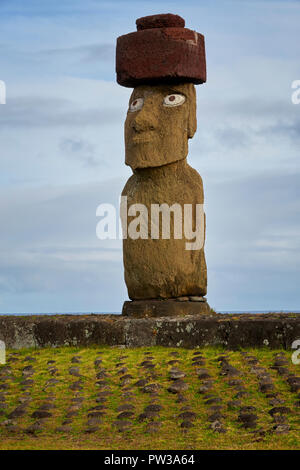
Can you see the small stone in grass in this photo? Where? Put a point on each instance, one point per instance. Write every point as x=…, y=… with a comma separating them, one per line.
x=125, y=407
x=186, y=424
x=294, y=383
x=67, y=422
x=76, y=360
x=30, y=359
x=98, y=408
x=150, y=388
x=4, y=386
x=281, y=362
x=96, y=414
x=217, y=426
x=216, y=416
x=229, y=371
x=204, y=375
x=249, y=420
x=122, y=425
x=51, y=382
x=283, y=410
x=234, y=382
x=247, y=409
x=213, y=401
x=76, y=385
x=102, y=374
x=125, y=415
x=91, y=429
x=128, y=396
x=28, y=371
x=77, y=400
x=47, y=406
x=215, y=408
x=279, y=419
x=176, y=374
x=101, y=400
x=206, y=387
x=102, y=383
x=64, y=428
x=41, y=414
x=276, y=401
x=151, y=415
x=178, y=386
x=187, y=415
x=34, y=428
x=283, y=371
x=126, y=378
x=104, y=393
x=281, y=428
x=154, y=407
x=181, y=398
x=200, y=362
x=234, y=404
x=141, y=382
x=71, y=413
x=153, y=426
x=26, y=383
x=241, y=394
x=18, y=412
x=266, y=386
x=94, y=421
x=74, y=371
x=120, y=364
x=13, y=428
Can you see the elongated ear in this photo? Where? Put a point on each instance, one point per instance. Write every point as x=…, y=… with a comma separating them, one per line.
x=192, y=118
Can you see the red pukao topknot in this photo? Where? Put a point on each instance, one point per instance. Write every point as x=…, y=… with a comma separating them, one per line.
x=161, y=50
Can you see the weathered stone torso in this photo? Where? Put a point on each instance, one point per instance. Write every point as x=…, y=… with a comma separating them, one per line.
x=158, y=268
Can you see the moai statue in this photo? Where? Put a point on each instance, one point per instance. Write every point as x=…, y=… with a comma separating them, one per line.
x=165, y=270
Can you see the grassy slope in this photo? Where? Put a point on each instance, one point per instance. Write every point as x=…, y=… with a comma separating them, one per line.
x=170, y=434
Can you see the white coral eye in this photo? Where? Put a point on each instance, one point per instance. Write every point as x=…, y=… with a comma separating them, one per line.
x=174, y=100
x=136, y=105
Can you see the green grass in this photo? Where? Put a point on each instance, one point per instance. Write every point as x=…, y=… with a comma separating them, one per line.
x=170, y=435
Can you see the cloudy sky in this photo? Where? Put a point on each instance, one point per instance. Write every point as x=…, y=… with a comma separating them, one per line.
x=62, y=151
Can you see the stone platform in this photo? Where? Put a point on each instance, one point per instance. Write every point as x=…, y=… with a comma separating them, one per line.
x=166, y=308
x=274, y=330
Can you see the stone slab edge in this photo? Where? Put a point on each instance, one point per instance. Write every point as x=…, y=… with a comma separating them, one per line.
x=274, y=330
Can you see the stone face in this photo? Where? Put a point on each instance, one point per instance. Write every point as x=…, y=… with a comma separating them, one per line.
x=157, y=133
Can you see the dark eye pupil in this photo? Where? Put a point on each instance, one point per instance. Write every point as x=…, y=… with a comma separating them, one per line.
x=134, y=103
x=171, y=98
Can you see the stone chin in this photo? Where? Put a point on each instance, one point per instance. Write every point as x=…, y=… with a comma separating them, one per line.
x=142, y=156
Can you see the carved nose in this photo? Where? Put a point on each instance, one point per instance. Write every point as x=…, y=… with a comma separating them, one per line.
x=144, y=121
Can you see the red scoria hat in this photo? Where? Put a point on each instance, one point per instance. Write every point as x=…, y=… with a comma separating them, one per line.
x=161, y=50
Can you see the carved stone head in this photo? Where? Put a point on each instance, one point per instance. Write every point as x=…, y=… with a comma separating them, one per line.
x=160, y=120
